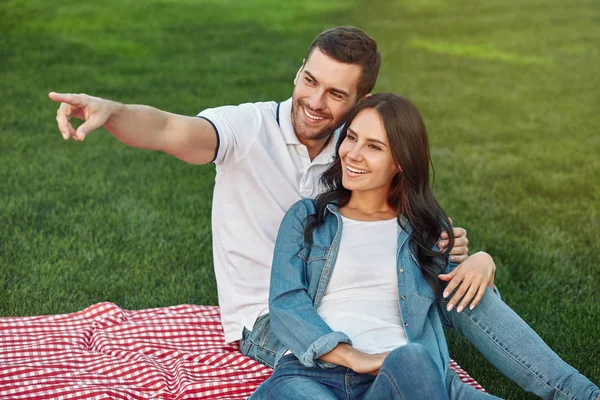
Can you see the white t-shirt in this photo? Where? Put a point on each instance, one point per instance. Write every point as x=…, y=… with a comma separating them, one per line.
x=361, y=298
x=262, y=169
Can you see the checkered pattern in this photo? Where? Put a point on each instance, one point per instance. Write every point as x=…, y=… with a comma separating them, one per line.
x=106, y=352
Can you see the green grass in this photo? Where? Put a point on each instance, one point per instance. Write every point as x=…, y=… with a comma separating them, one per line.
x=509, y=92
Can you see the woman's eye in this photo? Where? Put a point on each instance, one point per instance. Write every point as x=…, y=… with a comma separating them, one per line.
x=374, y=147
x=309, y=81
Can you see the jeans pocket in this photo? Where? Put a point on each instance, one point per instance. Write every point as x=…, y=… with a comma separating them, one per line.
x=245, y=342
x=261, y=355
x=259, y=344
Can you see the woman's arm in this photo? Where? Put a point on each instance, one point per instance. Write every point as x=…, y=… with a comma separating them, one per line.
x=294, y=319
x=349, y=357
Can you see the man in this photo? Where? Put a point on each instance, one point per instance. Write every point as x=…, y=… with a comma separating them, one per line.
x=267, y=156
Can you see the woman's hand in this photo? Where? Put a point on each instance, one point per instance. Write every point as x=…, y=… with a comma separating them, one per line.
x=469, y=279
x=347, y=356
x=363, y=363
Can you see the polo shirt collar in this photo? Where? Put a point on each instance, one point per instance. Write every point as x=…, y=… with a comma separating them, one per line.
x=285, y=122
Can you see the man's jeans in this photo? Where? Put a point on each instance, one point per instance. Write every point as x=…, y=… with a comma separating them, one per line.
x=407, y=373
x=518, y=352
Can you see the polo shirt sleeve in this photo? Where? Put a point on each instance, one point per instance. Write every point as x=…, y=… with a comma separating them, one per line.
x=237, y=128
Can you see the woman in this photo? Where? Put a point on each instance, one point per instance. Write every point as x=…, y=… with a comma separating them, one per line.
x=355, y=284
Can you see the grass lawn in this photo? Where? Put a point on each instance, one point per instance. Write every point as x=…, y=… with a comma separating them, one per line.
x=510, y=95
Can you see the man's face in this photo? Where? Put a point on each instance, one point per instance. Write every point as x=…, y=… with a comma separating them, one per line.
x=325, y=91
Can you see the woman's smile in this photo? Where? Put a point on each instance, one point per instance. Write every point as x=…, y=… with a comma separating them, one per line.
x=355, y=172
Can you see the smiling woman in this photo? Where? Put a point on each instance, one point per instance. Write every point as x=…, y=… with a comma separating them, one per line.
x=355, y=300
x=364, y=152
x=514, y=143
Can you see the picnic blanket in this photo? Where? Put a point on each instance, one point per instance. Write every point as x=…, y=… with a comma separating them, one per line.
x=105, y=352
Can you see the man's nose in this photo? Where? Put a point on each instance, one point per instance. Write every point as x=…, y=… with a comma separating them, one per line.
x=317, y=100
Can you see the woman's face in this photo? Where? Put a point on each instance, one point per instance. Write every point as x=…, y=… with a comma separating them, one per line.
x=367, y=163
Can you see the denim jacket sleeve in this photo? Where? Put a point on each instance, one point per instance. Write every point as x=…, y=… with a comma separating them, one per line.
x=294, y=319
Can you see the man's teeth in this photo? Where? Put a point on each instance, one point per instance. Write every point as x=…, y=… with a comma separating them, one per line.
x=356, y=171
x=312, y=116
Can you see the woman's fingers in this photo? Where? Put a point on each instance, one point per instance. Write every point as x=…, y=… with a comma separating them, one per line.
x=463, y=286
x=469, y=281
x=454, y=281
x=480, y=293
x=473, y=288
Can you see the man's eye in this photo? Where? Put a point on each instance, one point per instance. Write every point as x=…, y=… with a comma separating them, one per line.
x=336, y=96
x=309, y=81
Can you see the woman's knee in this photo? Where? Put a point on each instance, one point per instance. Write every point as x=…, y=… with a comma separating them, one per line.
x=410, y=353
x=297, y=388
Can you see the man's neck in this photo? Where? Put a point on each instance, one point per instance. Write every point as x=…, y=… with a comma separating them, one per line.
x=315, y=147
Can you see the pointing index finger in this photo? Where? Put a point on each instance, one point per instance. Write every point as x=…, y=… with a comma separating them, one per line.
x=73, y=99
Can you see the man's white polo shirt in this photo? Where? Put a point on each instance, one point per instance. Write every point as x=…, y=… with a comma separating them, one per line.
x=262, y=169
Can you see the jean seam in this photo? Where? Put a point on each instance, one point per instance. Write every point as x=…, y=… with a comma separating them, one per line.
x=285, y=363
x=393, y=383
x=262, y=347
x=497, y=343
x=279, y=382
x=348, y=385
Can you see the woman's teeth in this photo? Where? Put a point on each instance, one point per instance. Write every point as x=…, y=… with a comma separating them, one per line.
x=356, y=171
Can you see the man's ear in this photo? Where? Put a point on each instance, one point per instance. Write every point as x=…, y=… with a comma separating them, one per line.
x=367, y=95
x=298, y=73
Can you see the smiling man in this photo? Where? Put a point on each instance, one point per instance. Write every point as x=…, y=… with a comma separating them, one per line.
x=269, y=155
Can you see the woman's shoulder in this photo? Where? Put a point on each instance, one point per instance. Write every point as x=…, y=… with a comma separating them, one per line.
x=304, y=207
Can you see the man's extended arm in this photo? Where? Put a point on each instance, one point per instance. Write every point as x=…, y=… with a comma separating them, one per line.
x=190, y=139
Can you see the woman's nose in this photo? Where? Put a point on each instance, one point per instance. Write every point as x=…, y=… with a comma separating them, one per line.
x=355, y=152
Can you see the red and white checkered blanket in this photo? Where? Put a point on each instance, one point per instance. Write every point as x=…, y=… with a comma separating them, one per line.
x=105, y=352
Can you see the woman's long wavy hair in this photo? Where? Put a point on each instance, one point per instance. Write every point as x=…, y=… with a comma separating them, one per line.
x=410, y=192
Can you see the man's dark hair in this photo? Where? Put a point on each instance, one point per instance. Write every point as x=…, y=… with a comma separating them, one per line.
x=351, y=45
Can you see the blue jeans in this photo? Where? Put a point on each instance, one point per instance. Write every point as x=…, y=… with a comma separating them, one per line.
x=407, y=373
x=518, y=352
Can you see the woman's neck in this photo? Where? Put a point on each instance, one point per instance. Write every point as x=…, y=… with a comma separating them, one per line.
x=364, y=206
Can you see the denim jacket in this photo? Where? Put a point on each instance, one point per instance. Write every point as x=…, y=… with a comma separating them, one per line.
x=299, y=276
